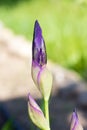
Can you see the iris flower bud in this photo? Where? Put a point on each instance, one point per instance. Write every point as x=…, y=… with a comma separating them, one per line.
x=75, y=124
x=36, y=114
x=39, y=55
x=40, y=74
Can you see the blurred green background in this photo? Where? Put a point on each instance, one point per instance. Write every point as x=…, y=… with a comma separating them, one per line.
x=64, y=24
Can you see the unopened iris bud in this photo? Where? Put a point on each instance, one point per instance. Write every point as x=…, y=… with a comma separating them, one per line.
x=75, y=124
x=39, y=55
x=40, y=74
x=36, y=114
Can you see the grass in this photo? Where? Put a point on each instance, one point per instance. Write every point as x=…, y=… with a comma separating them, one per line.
x=64, y=24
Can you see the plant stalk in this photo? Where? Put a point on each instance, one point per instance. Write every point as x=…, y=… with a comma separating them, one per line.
x=46, y=103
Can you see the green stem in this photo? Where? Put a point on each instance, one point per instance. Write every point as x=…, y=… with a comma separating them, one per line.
x=46, y=103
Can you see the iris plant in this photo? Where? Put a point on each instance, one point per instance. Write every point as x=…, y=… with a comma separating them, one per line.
x=42, y=78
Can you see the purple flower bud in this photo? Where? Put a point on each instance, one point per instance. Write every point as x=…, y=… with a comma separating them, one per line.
x=39, y=55
x=75, y=124
x=36, y=114
x=40, y=74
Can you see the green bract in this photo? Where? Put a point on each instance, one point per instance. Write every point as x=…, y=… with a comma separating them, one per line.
x=36, y=114
x=45, y=83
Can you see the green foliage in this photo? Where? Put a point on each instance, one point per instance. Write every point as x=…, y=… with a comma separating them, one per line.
x=64, y=24
x=8, y=126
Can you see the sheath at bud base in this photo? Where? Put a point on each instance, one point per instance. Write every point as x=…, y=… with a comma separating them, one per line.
x=45, y=82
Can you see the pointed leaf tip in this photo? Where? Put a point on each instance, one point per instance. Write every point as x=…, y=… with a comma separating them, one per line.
x=33, y=103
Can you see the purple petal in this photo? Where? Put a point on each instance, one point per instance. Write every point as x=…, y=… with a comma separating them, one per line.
x=33, y=104
x=39, y=55
x=74, y=119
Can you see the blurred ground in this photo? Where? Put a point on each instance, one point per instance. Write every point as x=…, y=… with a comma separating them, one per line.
x=16, y=83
